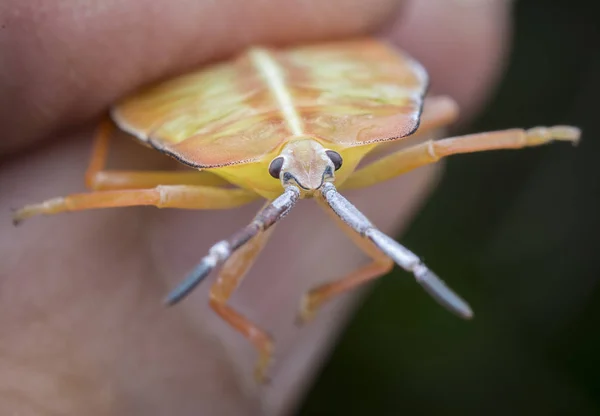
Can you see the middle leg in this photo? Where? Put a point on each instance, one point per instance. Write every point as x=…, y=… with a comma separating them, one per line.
x=431, y=151
x=167, y=196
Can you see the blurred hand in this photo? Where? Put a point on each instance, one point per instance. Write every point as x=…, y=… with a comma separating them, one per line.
x=83, y=328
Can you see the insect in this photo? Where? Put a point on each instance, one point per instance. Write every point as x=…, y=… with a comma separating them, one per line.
x=281, y=125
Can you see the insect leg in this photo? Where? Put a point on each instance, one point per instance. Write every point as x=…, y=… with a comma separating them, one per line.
x=404, y=258
x=381, y=264
x=113, y=180
x=273, y=212
x=438, y=111
x=238, y=252
x=431, y=151
x=100, y=148
x=97, y=178
x=229, y=278
x=163, y=196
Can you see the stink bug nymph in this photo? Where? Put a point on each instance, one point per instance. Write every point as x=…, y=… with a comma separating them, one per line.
x=285, y=124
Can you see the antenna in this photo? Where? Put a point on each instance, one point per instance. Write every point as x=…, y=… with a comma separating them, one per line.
x=402, y=256
x=222, y=250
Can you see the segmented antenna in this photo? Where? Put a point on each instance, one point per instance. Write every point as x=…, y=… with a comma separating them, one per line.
x=221, y=251
x=397, y=252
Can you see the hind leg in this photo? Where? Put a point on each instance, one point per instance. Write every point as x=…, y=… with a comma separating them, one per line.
x=98, y=178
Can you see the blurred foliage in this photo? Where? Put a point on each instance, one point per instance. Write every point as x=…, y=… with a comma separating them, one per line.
x=517, y=234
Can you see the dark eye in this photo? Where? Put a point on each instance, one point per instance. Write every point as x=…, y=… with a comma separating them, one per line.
x=275, y=167
x=335, y=158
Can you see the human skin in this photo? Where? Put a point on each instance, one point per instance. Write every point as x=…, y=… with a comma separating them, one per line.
x=83, y=329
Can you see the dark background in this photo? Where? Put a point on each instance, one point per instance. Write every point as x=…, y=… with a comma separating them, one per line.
x=517, y=233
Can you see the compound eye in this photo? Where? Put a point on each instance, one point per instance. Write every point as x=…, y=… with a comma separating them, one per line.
x=336, y=158
x=275, y=167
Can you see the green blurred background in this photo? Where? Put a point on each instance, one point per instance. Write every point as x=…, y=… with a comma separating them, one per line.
x=517, y=233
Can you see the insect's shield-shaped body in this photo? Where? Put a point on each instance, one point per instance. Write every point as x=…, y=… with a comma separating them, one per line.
x=235, y=117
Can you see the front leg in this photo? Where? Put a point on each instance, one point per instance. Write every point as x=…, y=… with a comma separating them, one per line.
x=238, y=253
x=230, y=277
x=365, y=231
x=316, y=297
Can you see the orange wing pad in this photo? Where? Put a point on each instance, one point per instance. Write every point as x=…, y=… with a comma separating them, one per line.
x=347, y=93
